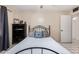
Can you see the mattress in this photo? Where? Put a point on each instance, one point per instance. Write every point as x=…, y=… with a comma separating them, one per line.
x=47, y=42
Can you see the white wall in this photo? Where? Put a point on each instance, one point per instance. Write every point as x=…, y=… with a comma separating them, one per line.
x=77, y=28
x=10, y=21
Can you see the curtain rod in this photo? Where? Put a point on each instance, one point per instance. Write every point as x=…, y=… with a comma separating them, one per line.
x=7, y=9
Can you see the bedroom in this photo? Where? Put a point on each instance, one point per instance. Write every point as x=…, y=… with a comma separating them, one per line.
x=45, y=15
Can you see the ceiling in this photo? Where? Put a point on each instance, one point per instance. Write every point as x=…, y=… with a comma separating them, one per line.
x=45, y=7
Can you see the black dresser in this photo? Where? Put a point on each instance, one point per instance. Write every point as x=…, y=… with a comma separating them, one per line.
x=18, y=32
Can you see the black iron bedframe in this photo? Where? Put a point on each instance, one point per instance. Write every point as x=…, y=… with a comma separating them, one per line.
x=42, y=48
x=41, y=28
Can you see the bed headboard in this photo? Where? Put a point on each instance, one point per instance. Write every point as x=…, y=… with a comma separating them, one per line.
x=39, y=31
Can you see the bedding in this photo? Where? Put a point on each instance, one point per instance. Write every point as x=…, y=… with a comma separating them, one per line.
x=47, y=42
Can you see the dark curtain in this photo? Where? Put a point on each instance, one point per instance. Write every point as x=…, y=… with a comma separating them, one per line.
x=4, y=35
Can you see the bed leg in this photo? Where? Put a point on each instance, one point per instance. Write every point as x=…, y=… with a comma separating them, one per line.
x=31, y=51
x=41, y=51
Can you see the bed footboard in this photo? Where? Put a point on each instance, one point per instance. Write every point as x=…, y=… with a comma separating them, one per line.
x=42, y=48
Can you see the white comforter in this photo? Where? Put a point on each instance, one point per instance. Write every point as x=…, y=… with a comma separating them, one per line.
x=38, y=42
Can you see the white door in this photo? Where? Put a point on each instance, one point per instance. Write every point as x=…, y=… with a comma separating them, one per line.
x=66, y=28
